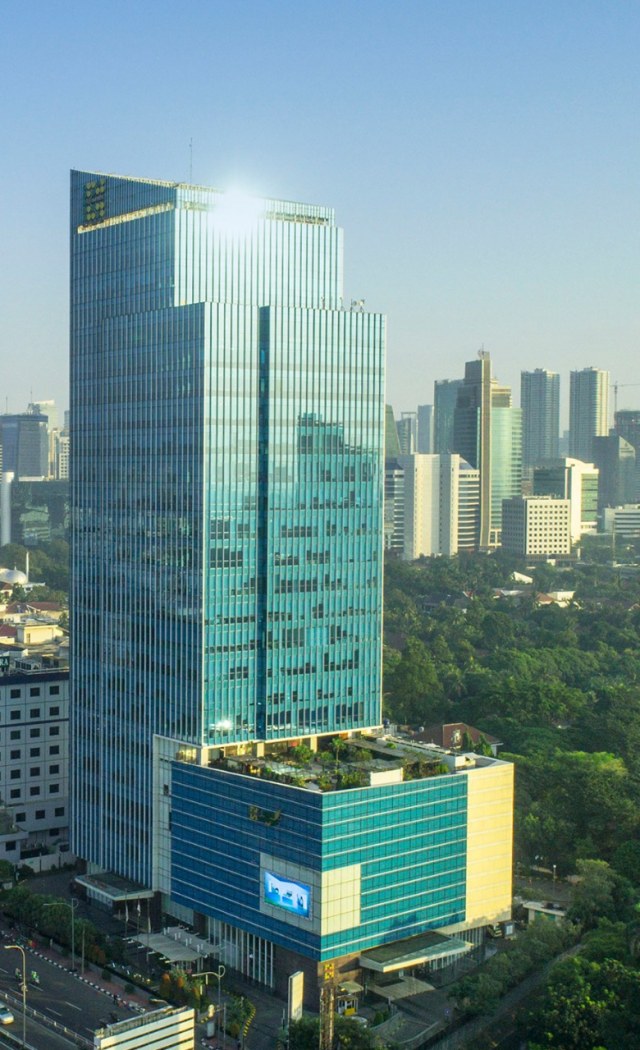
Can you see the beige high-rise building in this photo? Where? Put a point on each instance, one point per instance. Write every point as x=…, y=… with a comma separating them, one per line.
x=441, y=505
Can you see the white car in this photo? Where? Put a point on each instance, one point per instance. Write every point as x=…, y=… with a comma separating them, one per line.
x=6, y=1017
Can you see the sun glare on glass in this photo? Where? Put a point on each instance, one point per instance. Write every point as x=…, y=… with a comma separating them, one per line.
x=237, y=214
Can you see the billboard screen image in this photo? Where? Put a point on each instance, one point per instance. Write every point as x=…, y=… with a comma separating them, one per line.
x=285, y=893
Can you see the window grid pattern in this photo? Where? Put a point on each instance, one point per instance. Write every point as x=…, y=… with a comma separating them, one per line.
x=410, y=840
x=201, y=423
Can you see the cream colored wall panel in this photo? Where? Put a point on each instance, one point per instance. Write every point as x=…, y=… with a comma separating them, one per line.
x=489, y=844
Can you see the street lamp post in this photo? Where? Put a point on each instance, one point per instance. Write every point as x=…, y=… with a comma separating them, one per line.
x=19, y=948
x=72, y=904
x=218, y=974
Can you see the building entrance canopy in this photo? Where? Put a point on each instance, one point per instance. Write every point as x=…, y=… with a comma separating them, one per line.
x=110, y=889
x=413, y=951
x=171, y=950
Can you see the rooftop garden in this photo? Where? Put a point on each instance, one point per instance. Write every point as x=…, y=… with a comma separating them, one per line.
x=337, y=765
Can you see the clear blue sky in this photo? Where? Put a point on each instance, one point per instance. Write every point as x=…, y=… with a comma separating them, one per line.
x=483, y=158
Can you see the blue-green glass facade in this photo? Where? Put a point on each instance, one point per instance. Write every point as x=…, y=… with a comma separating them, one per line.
x=227, y=437
x=409, y=841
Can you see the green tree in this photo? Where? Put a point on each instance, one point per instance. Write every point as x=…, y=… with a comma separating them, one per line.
x=588, y=1006
x=600, y=893
x=415, y=694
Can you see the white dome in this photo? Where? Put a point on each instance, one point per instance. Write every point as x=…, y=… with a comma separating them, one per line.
x=14, y=577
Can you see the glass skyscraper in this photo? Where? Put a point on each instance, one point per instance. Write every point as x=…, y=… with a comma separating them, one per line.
x=228, y=430
x=227, y=491
x=540, y=404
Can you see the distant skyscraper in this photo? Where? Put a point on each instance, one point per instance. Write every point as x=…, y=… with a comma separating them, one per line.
x=615, y=459
x=425, y=429
x=576, y=481
x=506, y=455
x=472, y=432
x=588, y=411
x=627, y=425
x=540, y=404
x=393, y=505
x=488, y=435
x=445, y=395
x=25, y=446
x=48, y=409
x=441, y=505
x=408, y=432
x=391, y=442
x=537, y=526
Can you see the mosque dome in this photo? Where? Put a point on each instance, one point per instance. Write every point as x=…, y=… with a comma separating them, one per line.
x=14, y=577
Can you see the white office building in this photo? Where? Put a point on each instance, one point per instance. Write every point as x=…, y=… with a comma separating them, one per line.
x=537, y=526
x=441, y=505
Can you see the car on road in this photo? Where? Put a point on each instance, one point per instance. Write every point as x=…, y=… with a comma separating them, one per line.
x=6, y=1017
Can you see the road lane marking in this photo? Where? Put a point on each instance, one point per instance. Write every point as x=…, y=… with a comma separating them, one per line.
x=52, y=1011
x=73, y=1005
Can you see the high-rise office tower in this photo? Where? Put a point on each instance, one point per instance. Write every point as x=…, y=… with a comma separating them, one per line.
x=425, y=429
x=25, y=446
x=441, y=505
x=615, y=459
x=506, y=454
x=48, y=408
x=576, y=481
x=391, y=442
x=626, y=423
x=393, y=505
x=445, y=395
x=227, y=450
x=487, y=433
x=227, y=430
x=472, y=432
x=540, y=404
x=588, y=411
x=407, y=427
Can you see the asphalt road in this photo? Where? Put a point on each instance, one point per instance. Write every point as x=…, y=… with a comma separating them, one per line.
x=61, y=997
x=37, y=1035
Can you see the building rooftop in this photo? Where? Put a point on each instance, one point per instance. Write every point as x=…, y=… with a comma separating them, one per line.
x=361, y=760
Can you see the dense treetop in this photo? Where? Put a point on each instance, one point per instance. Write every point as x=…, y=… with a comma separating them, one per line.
x=560, y=688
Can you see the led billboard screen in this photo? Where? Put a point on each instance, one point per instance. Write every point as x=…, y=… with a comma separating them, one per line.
x=284, y=893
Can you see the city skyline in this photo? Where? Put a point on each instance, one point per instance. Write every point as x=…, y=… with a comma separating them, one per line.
x=483, y=160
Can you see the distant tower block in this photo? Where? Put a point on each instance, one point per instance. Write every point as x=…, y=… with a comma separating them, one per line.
x=5, y=507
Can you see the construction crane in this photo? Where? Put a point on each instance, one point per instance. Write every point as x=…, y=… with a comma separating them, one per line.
x=616, y=387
